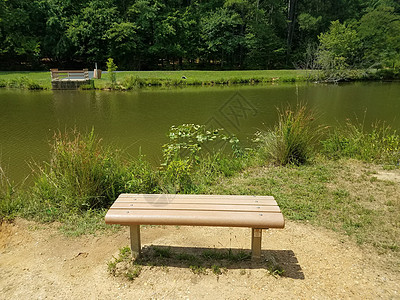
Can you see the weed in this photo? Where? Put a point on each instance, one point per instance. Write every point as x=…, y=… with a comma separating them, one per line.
x=132, y=274
x=10, y=201
x=24, y=82
x=89, y=86
x=381, y=144
x=216, y=270
x=198, y=269
x=228, y=255
x=187, y=257
x=162, y=252
x=123, y=265
x=292, y=140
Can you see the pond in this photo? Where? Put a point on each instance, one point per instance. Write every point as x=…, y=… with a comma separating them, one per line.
x=138, y=121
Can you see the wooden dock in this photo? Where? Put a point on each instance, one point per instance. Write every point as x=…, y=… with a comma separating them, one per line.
x=69, y=79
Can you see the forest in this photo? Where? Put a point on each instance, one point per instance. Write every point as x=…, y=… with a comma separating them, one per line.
x=199, y=34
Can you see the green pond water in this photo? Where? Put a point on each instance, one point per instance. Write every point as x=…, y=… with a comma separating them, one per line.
x=138, y=121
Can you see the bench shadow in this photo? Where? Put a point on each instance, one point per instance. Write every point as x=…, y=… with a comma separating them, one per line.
x=277, y=262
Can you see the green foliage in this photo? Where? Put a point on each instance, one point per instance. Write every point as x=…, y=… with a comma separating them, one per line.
x=10, y=201
x=154, y=34
x=380, y=144
x=123, y=265
x=379, y=32
x=292, y=140
x=188, y=141
x=191, y=160
x=86, y=87
x=111, y=68
x=23, y=82
x=82, y=175
x=338, y=50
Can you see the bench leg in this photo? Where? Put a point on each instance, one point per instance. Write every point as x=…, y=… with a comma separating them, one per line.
x=256, y=235
x=135, y=240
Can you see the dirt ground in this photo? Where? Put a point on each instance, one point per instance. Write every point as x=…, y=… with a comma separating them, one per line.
x=37, y=262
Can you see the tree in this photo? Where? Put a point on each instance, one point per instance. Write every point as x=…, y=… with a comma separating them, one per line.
x=88, y=30
x=21, y=27
x=338, y=50
x=222, y=35
x=122, y=42
x=379, y=32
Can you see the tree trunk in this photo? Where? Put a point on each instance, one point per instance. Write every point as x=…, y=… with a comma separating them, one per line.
x=291, y=23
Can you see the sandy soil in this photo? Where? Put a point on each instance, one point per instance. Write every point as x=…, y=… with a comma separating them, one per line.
x=37, y=262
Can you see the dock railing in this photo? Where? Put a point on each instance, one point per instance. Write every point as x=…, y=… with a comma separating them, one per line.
x=73, y=75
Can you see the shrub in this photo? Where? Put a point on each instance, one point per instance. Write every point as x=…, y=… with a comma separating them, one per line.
x=3, y=83
x=293, y=138
x=131, y=82
x=111, y=68
x=177, y=177
x=381, y=144
x=24, y=82
x=139, y=177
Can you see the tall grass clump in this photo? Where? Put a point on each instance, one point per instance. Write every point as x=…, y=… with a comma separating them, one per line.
x=10, y=200
x=82, y=175
x=379, y=144
x=292, y=140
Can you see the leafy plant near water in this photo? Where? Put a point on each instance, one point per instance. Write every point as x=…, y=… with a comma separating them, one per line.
x=186, y=155
x=380, y=144
x=22, y=82
x=188, y=140
x=292, y=140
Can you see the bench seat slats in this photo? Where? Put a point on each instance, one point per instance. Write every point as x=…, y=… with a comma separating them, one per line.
x=200, y=199
x=200, y=210
x=196, y=196
x=198, y=218
x=194, y=207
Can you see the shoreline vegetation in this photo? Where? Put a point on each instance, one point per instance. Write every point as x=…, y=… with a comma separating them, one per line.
x=131, y=80
x=343, y=178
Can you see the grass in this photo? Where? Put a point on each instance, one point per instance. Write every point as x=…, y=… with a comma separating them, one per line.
x=13, y=79
x=378, y=144
x=293, y=138
x=342, y=195
x=137, y=79
x=127, y=80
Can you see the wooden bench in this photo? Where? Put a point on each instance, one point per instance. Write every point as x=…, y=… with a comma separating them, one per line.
x=256, y=212
x=74, y=75
x=69, y=79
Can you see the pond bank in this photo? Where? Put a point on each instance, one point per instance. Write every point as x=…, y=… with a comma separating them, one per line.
x=127, y=80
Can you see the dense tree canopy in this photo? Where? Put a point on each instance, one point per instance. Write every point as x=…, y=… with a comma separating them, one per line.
x=197, y=34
